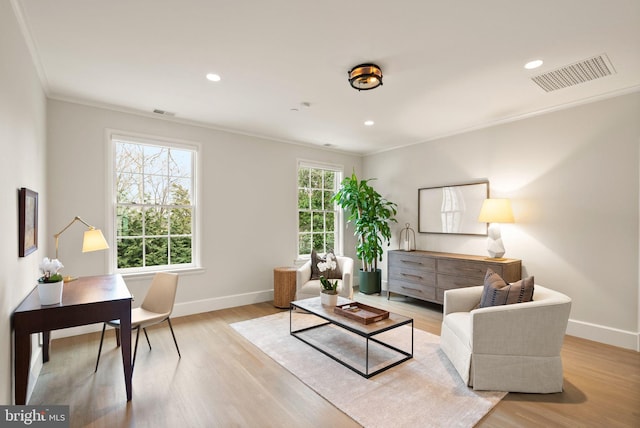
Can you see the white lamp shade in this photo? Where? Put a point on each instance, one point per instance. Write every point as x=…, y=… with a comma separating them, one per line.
x=496, y=211
x=94, y=241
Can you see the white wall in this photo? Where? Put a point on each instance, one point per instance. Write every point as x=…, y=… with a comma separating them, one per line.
x=249, y=201
x=22, y=143
x=572, y=176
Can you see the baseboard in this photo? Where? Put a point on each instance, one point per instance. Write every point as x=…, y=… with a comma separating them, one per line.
x=184, y=309
x=603, y=334
x=585, y=330
x=597, y=333
x=34, y=371
x=217, y=303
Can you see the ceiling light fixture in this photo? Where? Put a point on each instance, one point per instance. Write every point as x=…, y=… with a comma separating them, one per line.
x=533, y=64
x=365, y=76
x=369, y=122
x=213, y=77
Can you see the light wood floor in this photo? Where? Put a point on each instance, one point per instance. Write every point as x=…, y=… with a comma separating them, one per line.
x=224, y=381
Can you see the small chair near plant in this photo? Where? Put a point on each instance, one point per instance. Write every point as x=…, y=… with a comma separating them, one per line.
x=309, y=284
x=155, y=308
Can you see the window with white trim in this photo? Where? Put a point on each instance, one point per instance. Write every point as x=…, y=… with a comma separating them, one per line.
x=154, y=186
x=319, y=218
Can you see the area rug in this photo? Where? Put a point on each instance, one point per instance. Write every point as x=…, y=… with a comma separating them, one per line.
x=424, y=391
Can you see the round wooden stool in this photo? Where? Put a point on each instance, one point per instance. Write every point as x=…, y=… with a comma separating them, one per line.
x=284, y=286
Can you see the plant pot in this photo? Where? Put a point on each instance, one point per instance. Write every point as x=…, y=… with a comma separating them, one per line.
x=328, y=299
x=370, y=282
x=50, y=292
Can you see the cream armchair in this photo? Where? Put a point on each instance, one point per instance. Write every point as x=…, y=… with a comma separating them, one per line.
x=306, y=287
x=513, y=348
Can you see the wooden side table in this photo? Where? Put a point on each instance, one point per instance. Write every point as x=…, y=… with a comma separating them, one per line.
x=284, y=286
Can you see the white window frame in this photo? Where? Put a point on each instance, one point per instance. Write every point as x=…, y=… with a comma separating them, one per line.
x=111, y=136
x=339, y=216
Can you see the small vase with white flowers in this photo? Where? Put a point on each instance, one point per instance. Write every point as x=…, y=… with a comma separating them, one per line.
x=50, y=284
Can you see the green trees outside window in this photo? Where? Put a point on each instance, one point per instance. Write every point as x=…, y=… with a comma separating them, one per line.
x=154, y=205
x=317, y=213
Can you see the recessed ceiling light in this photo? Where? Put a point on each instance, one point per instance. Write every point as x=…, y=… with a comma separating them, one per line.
x=213, y=77
x=369, y=122
x=533, y=64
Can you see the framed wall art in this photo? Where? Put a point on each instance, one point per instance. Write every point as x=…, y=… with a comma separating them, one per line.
x=452, y=209
x=27, y=221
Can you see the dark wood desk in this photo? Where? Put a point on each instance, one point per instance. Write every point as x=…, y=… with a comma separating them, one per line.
x=87, y=300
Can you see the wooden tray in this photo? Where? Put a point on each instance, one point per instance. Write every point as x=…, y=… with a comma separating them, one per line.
x=362, y=313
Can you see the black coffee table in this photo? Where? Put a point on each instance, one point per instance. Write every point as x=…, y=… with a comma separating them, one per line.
x=349, y=342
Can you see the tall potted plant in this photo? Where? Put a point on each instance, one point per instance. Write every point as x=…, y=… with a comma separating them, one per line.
x=371, y=215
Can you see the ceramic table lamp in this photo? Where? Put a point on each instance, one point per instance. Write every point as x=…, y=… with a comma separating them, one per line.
x=494, y=212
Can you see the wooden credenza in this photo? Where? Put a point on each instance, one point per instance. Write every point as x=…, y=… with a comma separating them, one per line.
x=427, y=274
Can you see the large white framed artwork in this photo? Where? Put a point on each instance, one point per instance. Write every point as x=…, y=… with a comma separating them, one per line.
x=452, y=209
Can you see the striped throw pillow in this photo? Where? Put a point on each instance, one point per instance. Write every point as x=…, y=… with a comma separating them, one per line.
x=498, y=292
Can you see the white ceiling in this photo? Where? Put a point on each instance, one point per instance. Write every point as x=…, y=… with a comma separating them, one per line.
x=449, y=66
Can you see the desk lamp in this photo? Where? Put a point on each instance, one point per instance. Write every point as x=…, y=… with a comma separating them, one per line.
x=93, y=240
x=495, y=211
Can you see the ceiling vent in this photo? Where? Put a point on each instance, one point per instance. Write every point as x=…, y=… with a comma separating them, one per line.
x=163, y=112
x=571, y=75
